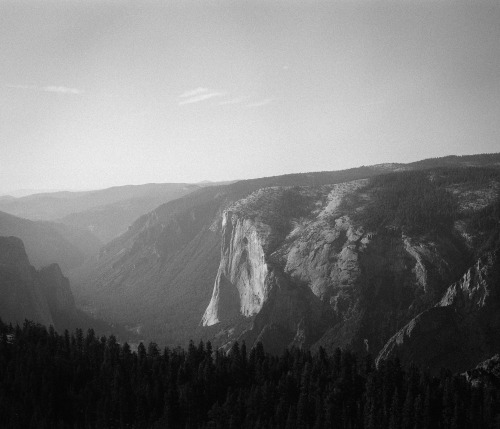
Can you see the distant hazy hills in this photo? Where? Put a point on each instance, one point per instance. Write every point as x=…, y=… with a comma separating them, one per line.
x=106, y=213
x=41, y=295
x=50, y=242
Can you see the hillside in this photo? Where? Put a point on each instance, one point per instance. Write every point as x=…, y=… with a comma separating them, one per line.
x=158, y=276
x=50, y=242
x=461, y=329
x=40, y=295
x=333, y=258
x=105, y=213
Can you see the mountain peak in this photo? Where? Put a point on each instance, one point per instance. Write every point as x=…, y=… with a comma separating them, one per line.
x=13, y=254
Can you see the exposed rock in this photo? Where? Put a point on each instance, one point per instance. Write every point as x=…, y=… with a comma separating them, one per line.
x=22, y=296
x=309, y=282
x=461, y=329
x=56, y=289
x=242, y=265
x=326, y=279
x=486, y=373
x=291, y=260
x=43, y=296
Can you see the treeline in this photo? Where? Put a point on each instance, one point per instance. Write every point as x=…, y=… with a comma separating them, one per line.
x=410, y=201
x=49, y=380
x=419, y=201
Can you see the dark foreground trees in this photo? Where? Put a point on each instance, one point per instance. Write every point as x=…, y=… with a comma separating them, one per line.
x=49, y=380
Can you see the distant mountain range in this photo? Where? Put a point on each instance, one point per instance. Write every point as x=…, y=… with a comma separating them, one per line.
x=105, y=213
x=51, y=242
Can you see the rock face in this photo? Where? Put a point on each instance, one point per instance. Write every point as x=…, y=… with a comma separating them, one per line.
x=461, y=329
x=43, y=296
x=307, y=284
x=486, y=373
x=320, y=273
x=22, y=296
x=242, y=267
x=56, y=290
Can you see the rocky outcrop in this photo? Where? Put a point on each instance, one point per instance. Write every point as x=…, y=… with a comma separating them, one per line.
x=320, y=251
x=309, y=283
x=323, y=252
x=461, y=329
x=241, y=278
x=22, y=296
x=43, y=296
x=317, y=275
x=253, y=289
x=486, y=373
x=56, y=289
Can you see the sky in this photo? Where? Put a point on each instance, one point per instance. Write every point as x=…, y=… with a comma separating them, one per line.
x=103, y=93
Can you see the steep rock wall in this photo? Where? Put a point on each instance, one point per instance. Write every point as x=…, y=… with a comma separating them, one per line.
x=20, y=291
x=56, y=289
x=242, y=269
x=309, y=274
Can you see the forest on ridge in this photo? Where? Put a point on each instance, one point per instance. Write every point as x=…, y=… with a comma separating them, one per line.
x=78, y=380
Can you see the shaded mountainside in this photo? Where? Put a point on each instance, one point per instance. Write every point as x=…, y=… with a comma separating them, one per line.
x=486, y=373
x=50, y=242
x=461, y=329
x=107, y=221
x=302, y=261
x=22, y=296
x=43, y=295
x=105, y=213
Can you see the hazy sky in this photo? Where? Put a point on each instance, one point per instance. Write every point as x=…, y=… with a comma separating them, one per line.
x=102, y=93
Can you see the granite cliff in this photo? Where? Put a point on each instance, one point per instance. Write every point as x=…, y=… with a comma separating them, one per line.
x=299, y=267
x=347, y=265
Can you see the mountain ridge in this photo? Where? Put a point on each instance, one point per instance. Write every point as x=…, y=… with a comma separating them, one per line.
x=49, y=242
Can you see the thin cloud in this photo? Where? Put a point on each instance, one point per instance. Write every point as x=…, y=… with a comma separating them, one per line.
x=261, y=103
x=193, y=92
x=200, y=97
x=49, y=88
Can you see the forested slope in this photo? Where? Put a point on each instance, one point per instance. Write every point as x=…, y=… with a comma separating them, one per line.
x=77, y=380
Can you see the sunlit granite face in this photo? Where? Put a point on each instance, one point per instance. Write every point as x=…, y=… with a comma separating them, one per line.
x=242, y=265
